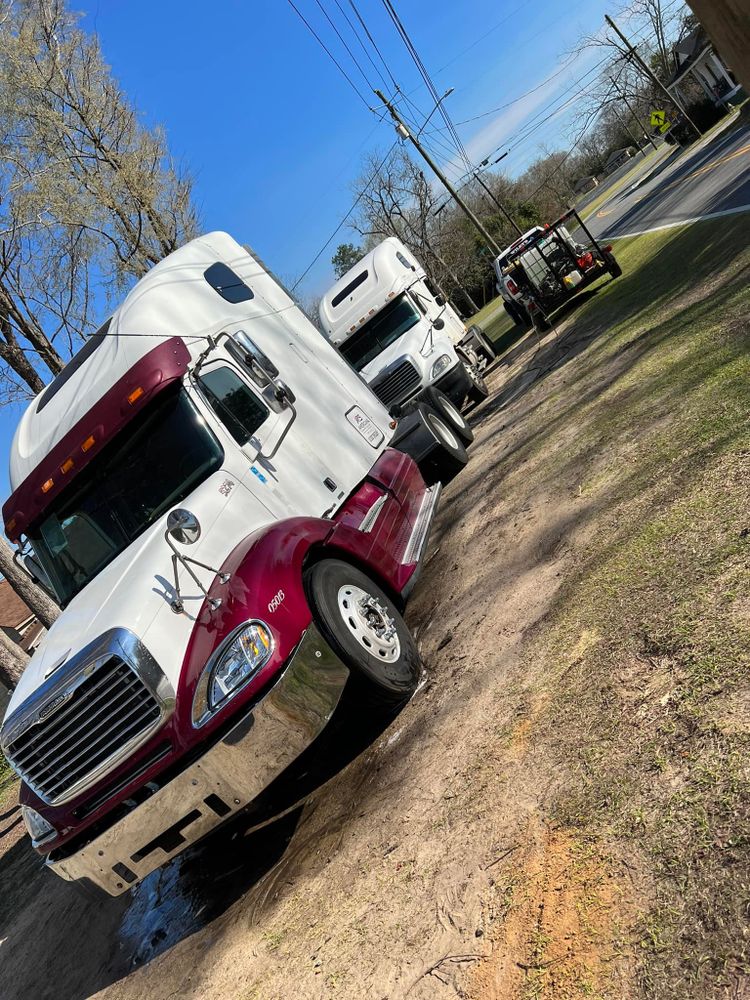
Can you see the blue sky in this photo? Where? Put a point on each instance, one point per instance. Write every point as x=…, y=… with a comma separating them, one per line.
x=272, y=131
x=274, y=135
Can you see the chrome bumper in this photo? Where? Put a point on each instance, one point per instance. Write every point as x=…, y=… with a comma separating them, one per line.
x=227, y=778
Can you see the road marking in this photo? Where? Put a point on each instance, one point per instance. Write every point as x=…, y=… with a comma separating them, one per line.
x=683, y=222
x=709, y=166
x=696, y=173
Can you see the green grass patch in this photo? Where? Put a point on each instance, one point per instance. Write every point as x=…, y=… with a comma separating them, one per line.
x=648, y=648
x=498, y=326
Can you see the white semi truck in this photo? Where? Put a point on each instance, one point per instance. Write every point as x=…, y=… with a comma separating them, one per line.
x=398, y=332
x=214, y=498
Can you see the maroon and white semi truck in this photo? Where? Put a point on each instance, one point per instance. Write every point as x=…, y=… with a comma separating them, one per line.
x=213, y=496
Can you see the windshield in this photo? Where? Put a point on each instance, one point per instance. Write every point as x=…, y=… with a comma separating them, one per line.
x=380, y=332
x=148, y=468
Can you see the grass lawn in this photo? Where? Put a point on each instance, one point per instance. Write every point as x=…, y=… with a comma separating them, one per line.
x=647, y=654
x=498, y=325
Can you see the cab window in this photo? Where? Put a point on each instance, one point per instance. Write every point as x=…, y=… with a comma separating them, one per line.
x=234, y=403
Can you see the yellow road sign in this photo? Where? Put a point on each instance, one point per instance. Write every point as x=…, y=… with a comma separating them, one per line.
x=658, y=119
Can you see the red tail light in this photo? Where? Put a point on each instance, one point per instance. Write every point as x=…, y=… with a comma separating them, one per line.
x=512, y=286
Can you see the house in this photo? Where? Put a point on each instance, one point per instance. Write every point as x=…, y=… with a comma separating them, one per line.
x=20, y=624
x=585, y=184
x=616, y=159
x=17, y=620
x=697, y=60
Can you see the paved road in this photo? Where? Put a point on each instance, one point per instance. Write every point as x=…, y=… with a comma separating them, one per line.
x=712, y=179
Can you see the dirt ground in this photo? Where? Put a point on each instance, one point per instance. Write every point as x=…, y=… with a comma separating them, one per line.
x=426, y=866
x=434, y=863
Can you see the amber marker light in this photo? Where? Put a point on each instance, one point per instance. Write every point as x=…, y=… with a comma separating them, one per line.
x=88, y=443
x=10, y=526
x=135, y=395
x=66, y=466
x=46, y=487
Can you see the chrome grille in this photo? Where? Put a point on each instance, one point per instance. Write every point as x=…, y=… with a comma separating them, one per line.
x=397, y=385
x=108, y=711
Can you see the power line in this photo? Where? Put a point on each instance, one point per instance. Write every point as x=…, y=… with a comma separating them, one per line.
x=411, y=49
x=340, y=37
x=362, y=45
x=528, y=93
x=330, y=54
x=373, y=42
x=341, y=224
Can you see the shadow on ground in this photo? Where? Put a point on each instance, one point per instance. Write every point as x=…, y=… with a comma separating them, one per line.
x=192, y=892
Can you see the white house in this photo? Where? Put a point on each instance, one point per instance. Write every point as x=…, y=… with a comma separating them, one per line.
x=696, y=57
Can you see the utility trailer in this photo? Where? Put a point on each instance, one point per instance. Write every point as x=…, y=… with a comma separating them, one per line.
x=232, y=522
x=548, y=266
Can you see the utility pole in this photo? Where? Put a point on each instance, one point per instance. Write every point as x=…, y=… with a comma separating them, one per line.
x=404, y=132
x=650, y=73
x=505, y=212
x=627, y=128
x=624, y=97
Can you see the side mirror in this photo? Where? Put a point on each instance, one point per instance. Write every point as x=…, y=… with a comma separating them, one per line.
x=438, y=324
x=31, y=566
x=183, y=526
x=440, y=300
x=244, y=350
x=284, y=394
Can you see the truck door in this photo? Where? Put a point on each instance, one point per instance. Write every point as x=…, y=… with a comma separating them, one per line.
x=266, y=462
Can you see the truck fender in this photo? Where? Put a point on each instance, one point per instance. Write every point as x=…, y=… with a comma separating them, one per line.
x=267, y=571
x=265, y=583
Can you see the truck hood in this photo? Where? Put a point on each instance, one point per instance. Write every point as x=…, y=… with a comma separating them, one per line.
x=407, y=348
x=134, y=591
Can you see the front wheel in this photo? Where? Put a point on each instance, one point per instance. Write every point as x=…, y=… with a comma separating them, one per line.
x=366, y=630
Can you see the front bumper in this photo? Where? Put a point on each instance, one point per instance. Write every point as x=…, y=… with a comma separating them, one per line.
x=223, y=781
x=456, y=384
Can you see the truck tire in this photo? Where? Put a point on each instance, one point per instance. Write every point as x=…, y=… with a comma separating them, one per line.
x=479, y=389
x=366, y=630
x=518, y=314
x=481, y=344
x=451, y=415
x=541, y=322
x=612, y=266
x=510, y=308
x=449, y=455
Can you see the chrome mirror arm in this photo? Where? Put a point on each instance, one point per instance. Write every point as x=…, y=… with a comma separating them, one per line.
x=177, y=604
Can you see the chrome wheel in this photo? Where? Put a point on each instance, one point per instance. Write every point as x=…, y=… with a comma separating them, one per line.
x=452, y=413
x=442, y=431
x=369, y=622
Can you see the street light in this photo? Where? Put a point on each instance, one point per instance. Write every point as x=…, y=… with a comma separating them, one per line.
x=448, y=93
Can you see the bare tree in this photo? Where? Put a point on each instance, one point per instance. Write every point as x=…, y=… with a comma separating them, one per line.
x=13, y=660
x=84, y=188
x=87, y=194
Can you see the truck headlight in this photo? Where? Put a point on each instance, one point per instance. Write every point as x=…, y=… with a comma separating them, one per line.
x=241, y=657
x=442, y=364
x=38, y=827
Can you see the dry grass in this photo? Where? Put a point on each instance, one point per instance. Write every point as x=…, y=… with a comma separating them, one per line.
x=648, y=650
